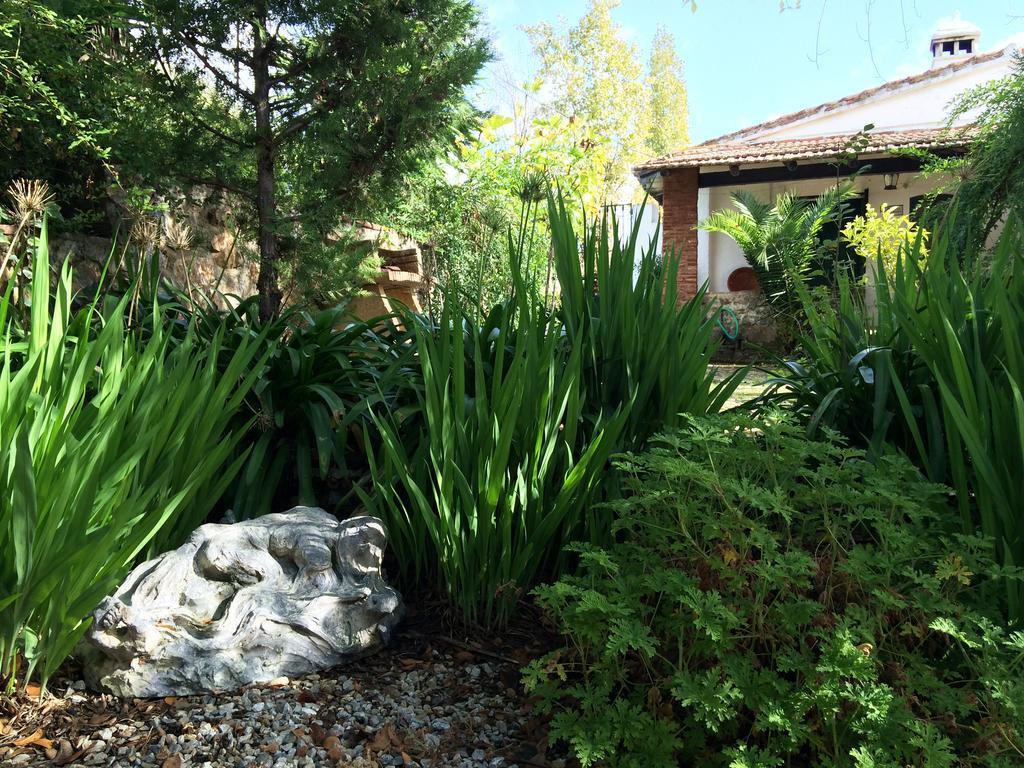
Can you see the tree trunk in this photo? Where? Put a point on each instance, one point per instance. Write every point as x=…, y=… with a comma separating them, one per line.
x=268, y=283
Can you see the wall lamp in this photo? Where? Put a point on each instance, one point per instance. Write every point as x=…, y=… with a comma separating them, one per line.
x=734, y=170
x=890, y=180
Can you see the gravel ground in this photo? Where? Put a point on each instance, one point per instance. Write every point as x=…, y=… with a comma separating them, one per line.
x=411, y=705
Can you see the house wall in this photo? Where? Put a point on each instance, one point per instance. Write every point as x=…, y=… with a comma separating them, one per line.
x=720, y=253
x=924, y=105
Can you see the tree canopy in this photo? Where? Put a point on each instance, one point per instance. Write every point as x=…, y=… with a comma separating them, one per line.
x=596, y=78
x=306, y=110
x=299, y=113
x=668, y=126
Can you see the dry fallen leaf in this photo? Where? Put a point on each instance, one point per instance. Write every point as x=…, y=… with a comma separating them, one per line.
x=171, y=700
x=35, y=739
x=67, y=754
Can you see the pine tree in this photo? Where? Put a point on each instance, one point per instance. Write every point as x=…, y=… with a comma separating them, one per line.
x=304, y=110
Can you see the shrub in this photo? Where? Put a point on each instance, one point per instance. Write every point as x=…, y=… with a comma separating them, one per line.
x=521, y=414
x=988, y=183
x=109, y=442
x=883, y=233
x=320, y=374
x=936, y=371
x=780, y=241
x=774, y=600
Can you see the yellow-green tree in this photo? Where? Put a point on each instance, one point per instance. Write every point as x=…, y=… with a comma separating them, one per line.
x=668, y=127
x=597, y=80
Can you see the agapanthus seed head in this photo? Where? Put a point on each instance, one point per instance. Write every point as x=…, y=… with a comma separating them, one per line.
x=144, y=232
x=178, y=236
x=30, y=198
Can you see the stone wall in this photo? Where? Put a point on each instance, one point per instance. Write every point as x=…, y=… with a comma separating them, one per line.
x=213, y=273
x=225, y=275
x=757, y=327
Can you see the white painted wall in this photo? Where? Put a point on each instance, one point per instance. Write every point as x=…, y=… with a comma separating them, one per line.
x=924, y=105
x=721, y=255
x=649, y=218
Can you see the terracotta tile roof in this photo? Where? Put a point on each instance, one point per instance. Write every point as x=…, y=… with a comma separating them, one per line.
x=731, y=148
x=816, y=148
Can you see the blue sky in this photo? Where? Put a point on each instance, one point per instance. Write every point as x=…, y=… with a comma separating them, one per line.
x=747, y=62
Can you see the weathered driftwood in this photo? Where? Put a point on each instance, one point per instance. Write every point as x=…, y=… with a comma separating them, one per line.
x=282, y=595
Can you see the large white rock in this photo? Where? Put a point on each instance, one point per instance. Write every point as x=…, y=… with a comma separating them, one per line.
x=281, y=595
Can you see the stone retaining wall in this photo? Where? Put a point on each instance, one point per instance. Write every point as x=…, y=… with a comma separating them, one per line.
x=757, y=327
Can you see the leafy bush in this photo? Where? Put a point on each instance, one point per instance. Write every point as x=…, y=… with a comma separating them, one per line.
x=989, y=181
x=109, y=443
x=774, y=600
x=936, y=371
x=883, y=233
x=319, y=374
x=521, y=414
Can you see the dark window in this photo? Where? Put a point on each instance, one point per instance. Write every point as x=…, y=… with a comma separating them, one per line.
x=834, y=250
x=949, y=47
x=965, y=46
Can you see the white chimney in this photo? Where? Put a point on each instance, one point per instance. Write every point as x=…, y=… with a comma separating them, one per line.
x=954, y=39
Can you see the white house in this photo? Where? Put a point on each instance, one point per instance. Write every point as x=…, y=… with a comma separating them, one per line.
x=800, y=152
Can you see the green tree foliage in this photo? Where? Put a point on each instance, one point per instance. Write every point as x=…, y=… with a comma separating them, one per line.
x=991, y=185
x=773, y=600
x=883, y=233
x=61, y=100
x=668, y=126
x=305, y=110
x=467, y=208
x=589, y=115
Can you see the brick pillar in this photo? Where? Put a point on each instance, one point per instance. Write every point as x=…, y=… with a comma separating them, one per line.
x=679, y=222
